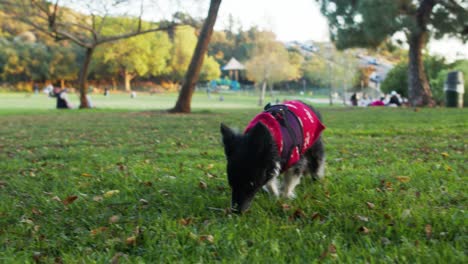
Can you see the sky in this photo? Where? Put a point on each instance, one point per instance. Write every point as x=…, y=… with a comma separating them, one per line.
x=290, y=20
x=301, y=20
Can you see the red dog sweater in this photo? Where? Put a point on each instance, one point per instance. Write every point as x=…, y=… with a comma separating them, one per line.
x=294, y=128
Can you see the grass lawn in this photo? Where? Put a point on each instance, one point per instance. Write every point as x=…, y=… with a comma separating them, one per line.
x=14, y=102
x=147, y=187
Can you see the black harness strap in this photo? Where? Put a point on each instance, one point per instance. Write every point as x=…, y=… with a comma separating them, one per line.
x=281, y=113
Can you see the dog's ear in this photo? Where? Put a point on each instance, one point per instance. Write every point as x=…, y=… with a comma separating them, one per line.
x=260, y=139
x=228, y=138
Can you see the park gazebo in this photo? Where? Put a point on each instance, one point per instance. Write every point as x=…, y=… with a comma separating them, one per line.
x=233, y=66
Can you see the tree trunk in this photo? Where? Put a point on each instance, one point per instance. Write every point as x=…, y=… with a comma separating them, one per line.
x=128, y=77
x=183, y=104
x=419, y=91
x=83, y=79
x=114, y=84
x=261, y=100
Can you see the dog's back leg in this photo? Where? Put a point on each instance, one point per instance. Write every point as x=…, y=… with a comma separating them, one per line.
x=316, y=160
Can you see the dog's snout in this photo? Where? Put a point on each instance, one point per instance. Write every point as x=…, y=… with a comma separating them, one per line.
x=241, y=206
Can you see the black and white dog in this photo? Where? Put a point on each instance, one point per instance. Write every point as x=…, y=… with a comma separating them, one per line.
x=283, y=138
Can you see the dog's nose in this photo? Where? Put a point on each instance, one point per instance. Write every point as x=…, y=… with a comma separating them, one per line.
x=238, y=209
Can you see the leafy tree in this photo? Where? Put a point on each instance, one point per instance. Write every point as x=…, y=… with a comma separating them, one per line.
x=210, y=69
x=370, y=22
x=316, y=71
x=184, y=44
x=64, y=62
x=84, y=30
x=24, y=61
x=271, y=64
x=138, y=56
x=397, y=78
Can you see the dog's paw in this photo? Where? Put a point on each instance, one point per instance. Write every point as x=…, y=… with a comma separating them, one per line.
x=271, y=191
x=289, y=195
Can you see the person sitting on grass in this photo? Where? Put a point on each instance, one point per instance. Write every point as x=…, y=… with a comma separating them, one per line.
x=379, y=102
x=394, y=99
x=62, y=99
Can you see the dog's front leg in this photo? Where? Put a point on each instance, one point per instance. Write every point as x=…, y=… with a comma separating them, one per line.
x=272, y=186
x=291, y=180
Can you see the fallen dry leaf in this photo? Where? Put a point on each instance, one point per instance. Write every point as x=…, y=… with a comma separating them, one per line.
x=143, y=201
x=370, y=205
x=445, y=154
x=3, y=184
x=36, y=211
x=37, y=257
x=114, y=219
x=403, y=179
x=316, y=216
x=388, y=217
x=209, y=166
x=208, y=238
x=58, y=260
x=362, y=218
x=70, y=199
x=202, y=185
x=111, y=193
x=98, y=198
x=148, y=183
x=86, y=175
x=131, y=241
x=116, y=257
x=428, y=230
x=121, y=166
x=186, y=221
x=364, y=230
x=285, y=206
x=98, y=230
x=331, y=251
x=27, y=221
x=296, y=215
x=56, y=198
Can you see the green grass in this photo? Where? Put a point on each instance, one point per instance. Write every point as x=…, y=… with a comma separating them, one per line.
x=409, y=166
x=13, y=102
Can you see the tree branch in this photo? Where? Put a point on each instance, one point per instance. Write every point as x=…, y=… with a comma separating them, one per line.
x=131, y=34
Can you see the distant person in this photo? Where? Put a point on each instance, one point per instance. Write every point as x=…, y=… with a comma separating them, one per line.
x=365, y=101
x=48, y=89
x=106, y=91
x=88, y=97
x=133, y=94
x=62, y=99
x=394, y=100
x=379, y=102
x=354, y=99
x=36, y=88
